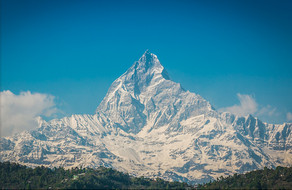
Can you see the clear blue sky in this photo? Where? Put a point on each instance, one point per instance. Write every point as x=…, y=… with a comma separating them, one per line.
x=74, y=50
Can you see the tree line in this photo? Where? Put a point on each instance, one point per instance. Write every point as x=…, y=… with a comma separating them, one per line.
x=278, y=178
x=16, y=176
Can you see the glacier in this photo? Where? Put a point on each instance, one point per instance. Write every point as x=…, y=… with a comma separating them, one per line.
x=148, y=125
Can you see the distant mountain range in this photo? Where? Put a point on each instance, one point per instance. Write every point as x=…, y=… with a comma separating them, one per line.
x=148, y=125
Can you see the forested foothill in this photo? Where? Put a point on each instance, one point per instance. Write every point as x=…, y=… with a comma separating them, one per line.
x=16, y=176
x=278, y=178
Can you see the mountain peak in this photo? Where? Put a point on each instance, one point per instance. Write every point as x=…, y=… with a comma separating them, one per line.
x=147, y=66
x=138, y=96
x=147, y=61
x=147, y=52
x=149, y=56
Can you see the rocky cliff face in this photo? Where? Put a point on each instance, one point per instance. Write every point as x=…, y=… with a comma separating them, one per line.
x=149, y=125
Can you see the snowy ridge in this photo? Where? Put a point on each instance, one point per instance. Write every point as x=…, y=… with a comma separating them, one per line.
x=149, y=125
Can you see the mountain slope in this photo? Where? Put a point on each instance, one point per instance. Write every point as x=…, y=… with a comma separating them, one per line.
x=149, y=125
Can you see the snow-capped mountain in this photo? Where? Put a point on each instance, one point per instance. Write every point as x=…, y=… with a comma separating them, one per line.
x=149, y=125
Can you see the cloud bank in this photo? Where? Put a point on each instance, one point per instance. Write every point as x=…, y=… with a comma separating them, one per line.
x=19, y=112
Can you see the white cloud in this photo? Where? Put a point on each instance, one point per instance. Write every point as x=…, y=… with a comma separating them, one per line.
x=267, y=111
x=289, y=116
x=18, y=112
x=247, y=106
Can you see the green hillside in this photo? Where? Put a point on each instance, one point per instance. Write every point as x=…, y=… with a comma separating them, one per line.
x=279, y=178
x=15, y=176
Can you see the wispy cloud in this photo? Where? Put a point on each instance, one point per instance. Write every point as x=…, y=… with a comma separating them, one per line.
x=248, y=105
x=267, y=111
x=289, y=116
x=18, y=112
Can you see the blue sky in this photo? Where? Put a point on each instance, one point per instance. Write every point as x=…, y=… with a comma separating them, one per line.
x=230, y=52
